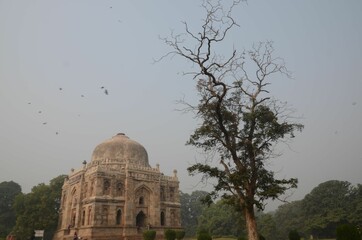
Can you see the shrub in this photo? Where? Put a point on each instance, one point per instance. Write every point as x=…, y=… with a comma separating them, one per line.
x=180, y=234
x=294, y=235
x=170, y=234
x=261, y=237
x=347, y=232
x=149, y=235
x=203, y=235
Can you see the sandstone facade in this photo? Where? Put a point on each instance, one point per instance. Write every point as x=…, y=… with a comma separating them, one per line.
x=118, y=195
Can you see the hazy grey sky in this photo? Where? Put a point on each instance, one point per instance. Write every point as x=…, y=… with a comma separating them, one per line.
x=80, y=46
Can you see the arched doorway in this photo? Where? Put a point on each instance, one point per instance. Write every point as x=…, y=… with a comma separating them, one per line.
x=141, y=219
x=162, y=218
x=119, y=217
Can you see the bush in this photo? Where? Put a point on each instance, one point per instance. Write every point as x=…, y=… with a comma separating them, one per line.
x=180, y=234
x=170, y=234
x=203, y=235
x=294, y=235
x=261, y=237
x=347, y=232
x=149, y=235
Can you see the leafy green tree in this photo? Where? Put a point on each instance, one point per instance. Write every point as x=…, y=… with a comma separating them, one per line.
x=326, y=207
x=191, y=209
x=347, y=232
x=240, y=122
x=221, y=219
x=287, y=217
x=8, y=192
x=203, y=235
x=170, y=234
x=38, y=209
x=294, y=235
x=149, y=235
x=355, y=206
x=180, y=234
x=267, y=226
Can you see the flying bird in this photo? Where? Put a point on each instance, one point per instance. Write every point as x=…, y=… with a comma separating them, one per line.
x=60, y=89
x=44, y=123
x=39, y=111
x=82, y=95
x=106, y=91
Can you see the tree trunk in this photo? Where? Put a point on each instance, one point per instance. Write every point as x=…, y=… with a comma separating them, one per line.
x=251, y=223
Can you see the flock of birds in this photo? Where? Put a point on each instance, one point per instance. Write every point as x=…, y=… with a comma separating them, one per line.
x=105, y=91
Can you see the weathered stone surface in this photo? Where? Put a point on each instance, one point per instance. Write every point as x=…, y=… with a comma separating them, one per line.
x=118, y=195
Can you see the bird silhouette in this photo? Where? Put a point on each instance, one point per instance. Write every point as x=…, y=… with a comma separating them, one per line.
x=106, y=91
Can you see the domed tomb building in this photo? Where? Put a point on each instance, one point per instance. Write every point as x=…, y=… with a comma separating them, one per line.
x=118, y=195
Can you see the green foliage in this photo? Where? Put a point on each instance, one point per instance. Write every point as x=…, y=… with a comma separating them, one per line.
x=221, y=219
x=288, y=216
x=355, y=205
x=347, y=232
x=267, y=226
x=180, y=234
x=327, y=207
x=203, y=235
x=170, y=234
x=149, y=235
x=294, y=235
x=8, y=193
x=191, y=209
x=38, y=209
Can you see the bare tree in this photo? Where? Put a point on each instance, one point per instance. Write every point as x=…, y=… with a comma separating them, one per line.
x=240, y=120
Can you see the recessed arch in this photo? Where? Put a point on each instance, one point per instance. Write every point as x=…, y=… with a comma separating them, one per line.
x=142, y=195
x=119, y=217
x=141, y=219
x=162, y=218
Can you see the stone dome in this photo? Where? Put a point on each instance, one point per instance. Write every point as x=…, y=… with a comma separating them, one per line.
x=121, y=149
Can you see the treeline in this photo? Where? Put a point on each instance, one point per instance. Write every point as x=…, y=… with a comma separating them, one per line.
x=318, y=214
x=21, y=214
x=327, y=206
